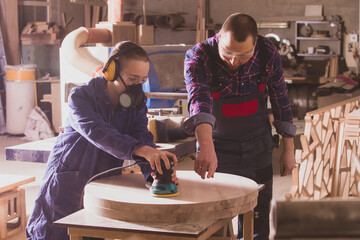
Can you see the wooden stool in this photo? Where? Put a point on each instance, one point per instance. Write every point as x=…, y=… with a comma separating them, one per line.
x=12, y=205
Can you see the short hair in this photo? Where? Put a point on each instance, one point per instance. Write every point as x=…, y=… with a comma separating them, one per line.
x=241, y=26
x=131, y=51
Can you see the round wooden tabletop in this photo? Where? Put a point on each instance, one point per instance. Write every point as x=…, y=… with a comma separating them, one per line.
x=125, y=197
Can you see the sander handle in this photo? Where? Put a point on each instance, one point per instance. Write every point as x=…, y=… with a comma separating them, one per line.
x=141, y=160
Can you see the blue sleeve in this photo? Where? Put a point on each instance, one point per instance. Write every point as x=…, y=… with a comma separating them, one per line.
x=140, y=132
x=86, y=118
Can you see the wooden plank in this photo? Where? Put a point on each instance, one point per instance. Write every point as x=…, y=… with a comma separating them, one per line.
x=318, y=159
x=104, y=10
x=298, y=154
x=292, y=18
x=22, y=209
x=87, y=15
x=326, y=155
x=304, y=145
x=198, y=21
x=326, y=119
x=335, y=105
x=315, y=138
x=328, y=135
x=11, y=37
x=83, y=223
x=319, y=175
x=9, y=182
x=308, y=170
x=95, y=15
x=105, y=197
x=302, y=170
x=3, y=216
x=308, y=122
x=339, y=147
x=248, y=225
x=353, y=115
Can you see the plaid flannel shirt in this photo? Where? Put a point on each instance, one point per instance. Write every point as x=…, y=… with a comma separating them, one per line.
x=240, y=82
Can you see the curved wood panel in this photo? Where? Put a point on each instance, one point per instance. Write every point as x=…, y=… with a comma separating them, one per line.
x=125, y=197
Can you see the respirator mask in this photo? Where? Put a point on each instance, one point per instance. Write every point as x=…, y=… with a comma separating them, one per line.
x=133, y=96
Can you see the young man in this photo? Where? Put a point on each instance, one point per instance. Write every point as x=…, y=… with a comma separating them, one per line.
x=228, y=78
x=106, y=125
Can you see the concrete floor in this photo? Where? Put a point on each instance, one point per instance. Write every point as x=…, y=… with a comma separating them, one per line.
x=281, y=184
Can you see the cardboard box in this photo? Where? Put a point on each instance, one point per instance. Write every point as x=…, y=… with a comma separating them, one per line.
x=145, y=35
x=121, y=31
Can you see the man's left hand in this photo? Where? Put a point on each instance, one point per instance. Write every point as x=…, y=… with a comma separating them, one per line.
x=287, y=159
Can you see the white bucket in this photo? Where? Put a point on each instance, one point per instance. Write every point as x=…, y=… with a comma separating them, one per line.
x=20, y=96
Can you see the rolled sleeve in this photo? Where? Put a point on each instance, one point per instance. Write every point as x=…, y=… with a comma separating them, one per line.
x=285, y=129
x=191, y=123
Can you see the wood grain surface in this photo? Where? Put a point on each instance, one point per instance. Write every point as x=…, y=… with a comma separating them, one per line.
x=125, y=198
x=9, y=182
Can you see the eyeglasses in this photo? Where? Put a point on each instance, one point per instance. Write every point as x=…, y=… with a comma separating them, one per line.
x=134, y=79
x=231, y=54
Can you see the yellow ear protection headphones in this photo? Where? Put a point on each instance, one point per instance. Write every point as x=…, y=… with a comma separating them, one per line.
x=111, y=68
x=134, y=95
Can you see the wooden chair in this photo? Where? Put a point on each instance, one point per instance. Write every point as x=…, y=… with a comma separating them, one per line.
x=12, y=204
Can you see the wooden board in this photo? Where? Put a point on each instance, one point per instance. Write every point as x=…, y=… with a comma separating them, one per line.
x=11, y=38
x=324, y=165
x=36, y=151
x=353, y=115
x=126, y=198
x=39, y=151
x=9, y=182
x=86, y=224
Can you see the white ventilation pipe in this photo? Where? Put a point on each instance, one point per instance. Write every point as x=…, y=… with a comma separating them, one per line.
x=80, y=57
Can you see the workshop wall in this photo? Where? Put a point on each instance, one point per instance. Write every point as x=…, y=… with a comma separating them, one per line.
x=218, y=11
x=260, y=10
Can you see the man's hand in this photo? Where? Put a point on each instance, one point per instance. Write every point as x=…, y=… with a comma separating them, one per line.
x=206, y=160
x=287, y=159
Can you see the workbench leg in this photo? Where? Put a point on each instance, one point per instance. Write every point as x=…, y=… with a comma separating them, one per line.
x=226, y=232
x=248, y=227
x=72, y=237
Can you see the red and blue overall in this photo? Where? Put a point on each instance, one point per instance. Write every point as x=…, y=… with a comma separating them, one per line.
x=234, y=102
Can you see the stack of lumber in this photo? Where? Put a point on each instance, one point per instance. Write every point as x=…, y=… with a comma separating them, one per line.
x=39, y=33
x=325, y=166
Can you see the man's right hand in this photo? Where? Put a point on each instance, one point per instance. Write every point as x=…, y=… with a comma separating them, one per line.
x=206, y=160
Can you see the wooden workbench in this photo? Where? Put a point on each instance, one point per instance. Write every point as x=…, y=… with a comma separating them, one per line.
x=121, y=206
x=39, y=151
x=84, y=223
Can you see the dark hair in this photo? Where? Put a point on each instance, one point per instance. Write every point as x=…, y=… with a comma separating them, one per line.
x=241, y=26
x=131, y=51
